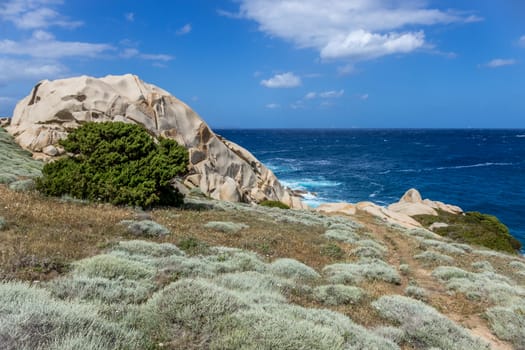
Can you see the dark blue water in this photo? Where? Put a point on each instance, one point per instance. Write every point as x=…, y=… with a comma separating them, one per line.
x=479, y=170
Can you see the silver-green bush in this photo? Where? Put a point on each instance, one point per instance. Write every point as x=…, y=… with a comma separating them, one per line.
x=113, y=267
x=146, y=228
x=22, y=185
x=31, y=319
x=482, y=266
x=449, y=248
x=342, y=235
x=371, y=269
x=101, y=289
x=508, y=323
x=431, y=256
x=148, y=248
x=293, y=269
x=338, y=294
x=424, y=326
x=416, y=292
x=226, y=226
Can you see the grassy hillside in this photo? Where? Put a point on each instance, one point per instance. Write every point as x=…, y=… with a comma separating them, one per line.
x=217, y=275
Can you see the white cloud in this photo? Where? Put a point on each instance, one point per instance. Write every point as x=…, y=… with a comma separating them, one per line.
x=500, y=62
x=521, y=41
x=332, y=94
x=310, y=96
x=33, y=14
x=346, y=69
x=285, y=80
x=29, y=70
x=186, y=29
x=324, y=94
x=273, y=106
x=44, y=45
x=363, y=97
x=135, y=53
x=348, y=29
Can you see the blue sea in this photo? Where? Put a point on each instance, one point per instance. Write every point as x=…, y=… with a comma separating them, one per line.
x=478, y=170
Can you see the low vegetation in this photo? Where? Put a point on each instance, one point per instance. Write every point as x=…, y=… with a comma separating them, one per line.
x=474, y=228
x=274, y=204
x=106, y=277
x=16, y=164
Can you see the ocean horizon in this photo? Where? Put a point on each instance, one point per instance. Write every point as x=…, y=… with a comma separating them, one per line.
x=476, y=169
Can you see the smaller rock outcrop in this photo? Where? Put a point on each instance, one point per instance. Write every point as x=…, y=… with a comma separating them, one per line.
x=412, y=204
x=400, y=213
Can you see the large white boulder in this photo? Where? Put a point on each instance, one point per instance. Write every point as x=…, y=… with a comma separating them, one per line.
x=220, y=168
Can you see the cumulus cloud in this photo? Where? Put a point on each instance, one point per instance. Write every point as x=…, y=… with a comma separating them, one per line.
x=348, y=29
x=44, y=45
x=500, y=62
x=186, y=29
x=33, y=14
x=273, y=106
x=285, y=80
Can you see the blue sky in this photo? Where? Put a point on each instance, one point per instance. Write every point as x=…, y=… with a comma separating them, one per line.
x=285, y=63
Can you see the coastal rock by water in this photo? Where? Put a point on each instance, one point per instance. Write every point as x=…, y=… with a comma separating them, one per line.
x=220, y=168
x=400, y=213
x=412, y=204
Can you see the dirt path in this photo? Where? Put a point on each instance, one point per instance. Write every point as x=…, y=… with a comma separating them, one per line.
x=402, y=250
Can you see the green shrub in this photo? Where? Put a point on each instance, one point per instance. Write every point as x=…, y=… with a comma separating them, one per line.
x=225, y=226
x=474, y=228
x=293, y=269
x=338, y=294
x=192, y=245
x=274, y=204
x=146, y=228
x=332, y=250
x=424, y=326
x=117, y=163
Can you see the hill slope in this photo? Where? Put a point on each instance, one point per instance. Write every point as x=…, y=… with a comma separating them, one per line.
x=217, y=275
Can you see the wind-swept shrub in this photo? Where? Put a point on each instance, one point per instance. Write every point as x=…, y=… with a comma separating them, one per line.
x=274, y=204
x=342, y=235
x=118, y=163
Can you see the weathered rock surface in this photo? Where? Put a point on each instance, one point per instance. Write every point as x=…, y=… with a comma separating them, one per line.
x=412, y=204
x=220, y=168
x=400, y=213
